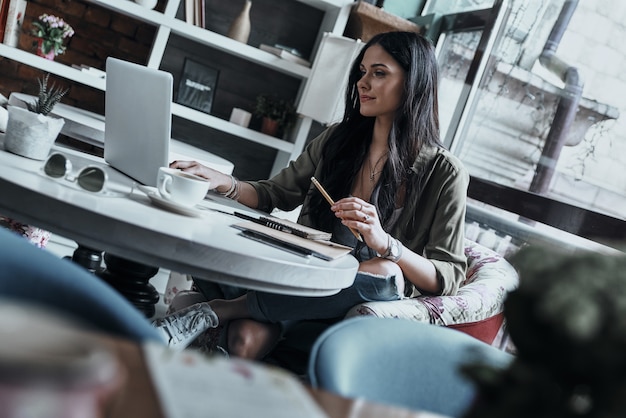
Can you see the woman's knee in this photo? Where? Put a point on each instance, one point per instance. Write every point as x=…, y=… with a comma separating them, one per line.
x=381, y=267
x=384, y=268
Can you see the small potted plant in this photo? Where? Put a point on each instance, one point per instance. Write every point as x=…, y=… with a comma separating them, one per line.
x=51, y=33
x=30, y=131
x=278, y=114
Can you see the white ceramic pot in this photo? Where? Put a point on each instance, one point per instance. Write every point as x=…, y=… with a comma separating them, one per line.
x=149, y=4
x=31, y=134
x=240, y=28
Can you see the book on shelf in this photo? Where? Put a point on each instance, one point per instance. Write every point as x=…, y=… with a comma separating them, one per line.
x=199, y=10
x=194, y=12
x=190, y=11
x=96, y=72
x=13, y=22
x=326, y=250
x=4, y=7
x=285, y=54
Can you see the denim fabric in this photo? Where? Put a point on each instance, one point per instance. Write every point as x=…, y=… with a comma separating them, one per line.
x=213, y=290
x=269, y=307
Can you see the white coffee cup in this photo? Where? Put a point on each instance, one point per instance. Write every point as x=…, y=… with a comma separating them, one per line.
x=180, y=187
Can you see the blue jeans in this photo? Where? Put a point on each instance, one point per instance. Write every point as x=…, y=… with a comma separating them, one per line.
x=269, y=307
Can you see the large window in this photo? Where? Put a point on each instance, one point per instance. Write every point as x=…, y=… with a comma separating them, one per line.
x=541, y=128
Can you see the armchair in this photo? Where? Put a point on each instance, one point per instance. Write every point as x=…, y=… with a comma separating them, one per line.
x=400, y=362
x=477, y=307
x=31, y=274
x=36, y=236
x=475, y=310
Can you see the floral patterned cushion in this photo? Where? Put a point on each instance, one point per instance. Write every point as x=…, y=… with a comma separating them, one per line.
x=36, y=236
x=488, y=280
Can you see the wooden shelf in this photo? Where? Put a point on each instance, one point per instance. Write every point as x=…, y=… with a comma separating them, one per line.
x=231, y=128
x=205, y=37
x=52, y=67
x=335, y=16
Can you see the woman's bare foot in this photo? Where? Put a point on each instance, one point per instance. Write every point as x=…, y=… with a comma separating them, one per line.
x=251, y=339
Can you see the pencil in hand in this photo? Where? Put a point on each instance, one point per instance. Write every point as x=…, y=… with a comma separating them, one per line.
x=332, y=202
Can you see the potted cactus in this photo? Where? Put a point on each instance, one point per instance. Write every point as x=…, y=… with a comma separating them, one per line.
x=30, y=131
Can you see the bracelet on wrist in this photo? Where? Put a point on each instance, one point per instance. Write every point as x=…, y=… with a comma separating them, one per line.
x=393, y=251
x=235, y=194
x=233, y=185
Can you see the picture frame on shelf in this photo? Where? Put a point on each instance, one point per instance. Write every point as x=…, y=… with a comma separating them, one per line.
x=197, y=86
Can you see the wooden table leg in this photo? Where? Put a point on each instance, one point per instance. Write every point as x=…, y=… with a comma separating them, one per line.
x=128, y=277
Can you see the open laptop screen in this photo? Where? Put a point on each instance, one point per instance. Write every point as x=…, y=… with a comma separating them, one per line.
x=138, y=119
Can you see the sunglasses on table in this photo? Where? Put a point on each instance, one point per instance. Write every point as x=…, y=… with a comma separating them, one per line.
x=90, y=178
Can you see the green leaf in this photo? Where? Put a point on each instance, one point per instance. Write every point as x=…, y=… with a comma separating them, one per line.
x=47, y=98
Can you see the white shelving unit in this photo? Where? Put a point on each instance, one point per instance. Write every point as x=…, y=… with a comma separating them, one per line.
x=336, y=14
x=51, y=67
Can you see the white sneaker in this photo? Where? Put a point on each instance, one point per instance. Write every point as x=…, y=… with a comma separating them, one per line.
x=182, y=327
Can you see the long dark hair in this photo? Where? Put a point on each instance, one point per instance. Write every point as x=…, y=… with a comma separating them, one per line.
x=416, y=124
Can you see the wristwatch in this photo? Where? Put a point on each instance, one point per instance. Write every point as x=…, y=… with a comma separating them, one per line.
x=394, y=250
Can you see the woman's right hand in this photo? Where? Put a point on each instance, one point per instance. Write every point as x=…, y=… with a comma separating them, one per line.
x=219, y=181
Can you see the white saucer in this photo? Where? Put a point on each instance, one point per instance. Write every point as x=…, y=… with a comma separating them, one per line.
x=159, y=201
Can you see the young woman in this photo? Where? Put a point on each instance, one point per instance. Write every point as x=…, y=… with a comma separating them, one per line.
x=402, y=191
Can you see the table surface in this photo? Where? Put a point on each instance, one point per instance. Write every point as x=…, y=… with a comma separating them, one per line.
x=88, y=127
x=129, y=225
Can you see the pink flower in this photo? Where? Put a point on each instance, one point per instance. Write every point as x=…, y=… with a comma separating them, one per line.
x=53, y=31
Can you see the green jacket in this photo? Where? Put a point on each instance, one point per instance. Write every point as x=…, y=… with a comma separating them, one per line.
x=431, y=223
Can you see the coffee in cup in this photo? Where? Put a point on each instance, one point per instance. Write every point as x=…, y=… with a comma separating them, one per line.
x=181, y=187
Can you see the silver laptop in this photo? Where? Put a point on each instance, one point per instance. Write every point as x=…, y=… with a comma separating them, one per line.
x=138, y=119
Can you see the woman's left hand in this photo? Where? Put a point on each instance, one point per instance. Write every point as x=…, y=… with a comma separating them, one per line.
x=362, y=217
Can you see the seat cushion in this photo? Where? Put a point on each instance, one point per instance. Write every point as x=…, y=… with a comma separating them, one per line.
x=37, y=236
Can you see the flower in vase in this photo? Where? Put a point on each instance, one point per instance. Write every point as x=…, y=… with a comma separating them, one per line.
x=52, y=31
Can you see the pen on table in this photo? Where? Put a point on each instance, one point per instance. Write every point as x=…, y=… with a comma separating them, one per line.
x=332, y=202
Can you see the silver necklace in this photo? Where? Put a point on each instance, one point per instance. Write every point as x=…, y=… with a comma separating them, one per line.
x=373, y=171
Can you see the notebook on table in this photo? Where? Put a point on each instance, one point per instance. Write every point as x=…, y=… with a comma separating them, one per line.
x=138, y=119
x=288, y=226
x=290, y=242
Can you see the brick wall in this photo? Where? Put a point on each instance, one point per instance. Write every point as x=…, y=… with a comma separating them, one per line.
x=99, y=33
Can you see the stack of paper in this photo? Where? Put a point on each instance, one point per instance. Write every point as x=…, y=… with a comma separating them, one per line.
x=285, y=54
x=190, y=384
x=326, y=250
